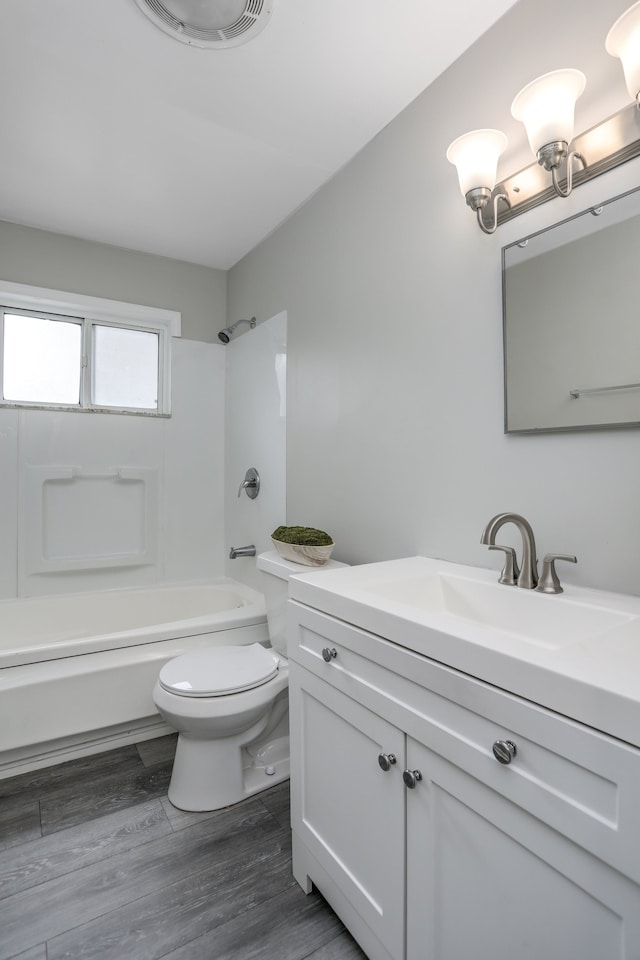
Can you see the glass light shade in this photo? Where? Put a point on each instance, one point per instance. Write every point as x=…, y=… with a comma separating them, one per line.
x=546, y=106
x=475, y=155
x=623, y=41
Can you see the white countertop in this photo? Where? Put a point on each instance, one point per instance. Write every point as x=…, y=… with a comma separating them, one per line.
x=577, y=653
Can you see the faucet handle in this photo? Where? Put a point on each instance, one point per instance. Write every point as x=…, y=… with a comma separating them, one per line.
x=549, y=582
x=510, y=571
x=251, y=483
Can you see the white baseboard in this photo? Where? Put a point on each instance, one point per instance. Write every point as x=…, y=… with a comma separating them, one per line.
x=38, y=756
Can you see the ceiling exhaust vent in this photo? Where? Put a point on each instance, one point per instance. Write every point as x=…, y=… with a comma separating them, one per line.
x=209, y=23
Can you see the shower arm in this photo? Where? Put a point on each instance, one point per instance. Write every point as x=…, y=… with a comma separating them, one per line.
x=226, y=334
x=251, y=322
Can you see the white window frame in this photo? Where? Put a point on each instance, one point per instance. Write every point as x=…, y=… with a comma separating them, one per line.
x=96, y=310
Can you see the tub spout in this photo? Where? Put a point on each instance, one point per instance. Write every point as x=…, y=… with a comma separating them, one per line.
x=249, y=551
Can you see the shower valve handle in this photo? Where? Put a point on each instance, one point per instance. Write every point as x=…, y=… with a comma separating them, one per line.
x=251, y=483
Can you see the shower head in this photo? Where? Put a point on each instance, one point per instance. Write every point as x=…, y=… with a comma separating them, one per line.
x=226, y=334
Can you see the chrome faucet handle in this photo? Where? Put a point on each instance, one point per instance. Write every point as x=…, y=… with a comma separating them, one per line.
x=510, y=571
x=549, y=582
x=251, y=483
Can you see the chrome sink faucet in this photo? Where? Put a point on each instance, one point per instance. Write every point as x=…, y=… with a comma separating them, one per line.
x=527, y=576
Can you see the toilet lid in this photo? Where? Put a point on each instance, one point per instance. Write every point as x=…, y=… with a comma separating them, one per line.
x=217, y=671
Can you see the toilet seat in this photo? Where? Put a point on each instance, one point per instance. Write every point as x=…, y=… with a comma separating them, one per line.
x=219, y=671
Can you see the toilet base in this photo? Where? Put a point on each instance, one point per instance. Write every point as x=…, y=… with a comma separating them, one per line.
x=258, y=776
x=212, y=774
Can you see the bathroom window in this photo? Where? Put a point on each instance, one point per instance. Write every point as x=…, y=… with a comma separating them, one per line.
x=113, y=363
x=41, y=359
x=124, y=368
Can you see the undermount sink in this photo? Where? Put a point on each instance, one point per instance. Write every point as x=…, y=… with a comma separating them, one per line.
x=547, y=621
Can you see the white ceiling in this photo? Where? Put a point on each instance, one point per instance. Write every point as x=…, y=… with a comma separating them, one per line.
x=113, y=131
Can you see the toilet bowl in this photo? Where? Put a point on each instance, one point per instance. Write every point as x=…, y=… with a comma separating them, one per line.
x=229, y=705
x=220, y=700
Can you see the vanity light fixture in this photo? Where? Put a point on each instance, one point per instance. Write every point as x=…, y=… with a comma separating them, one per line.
x=623, y=41
x=475, y=156
x=546, y=107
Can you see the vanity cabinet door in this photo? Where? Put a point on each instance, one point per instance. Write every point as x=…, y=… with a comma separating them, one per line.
x=346, y=811
x=486, y=879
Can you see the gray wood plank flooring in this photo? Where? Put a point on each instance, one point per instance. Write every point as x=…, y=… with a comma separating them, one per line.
x=96, y=864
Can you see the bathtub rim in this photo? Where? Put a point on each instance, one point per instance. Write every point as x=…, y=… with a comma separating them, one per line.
x=251, y=613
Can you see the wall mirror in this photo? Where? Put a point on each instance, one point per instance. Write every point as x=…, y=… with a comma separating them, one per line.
x=571, y=311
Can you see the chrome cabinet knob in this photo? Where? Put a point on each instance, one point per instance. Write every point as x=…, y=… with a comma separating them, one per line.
x=411, y=777
x=329, y=654
x=504, y=751
x=386, y=760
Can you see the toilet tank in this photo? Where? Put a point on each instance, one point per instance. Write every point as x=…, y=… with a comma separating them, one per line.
x=274, y=583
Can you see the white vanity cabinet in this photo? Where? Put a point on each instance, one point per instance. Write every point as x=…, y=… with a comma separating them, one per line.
x=537, y=857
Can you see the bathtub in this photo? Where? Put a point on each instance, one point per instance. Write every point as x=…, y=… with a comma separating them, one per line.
x=77, y=671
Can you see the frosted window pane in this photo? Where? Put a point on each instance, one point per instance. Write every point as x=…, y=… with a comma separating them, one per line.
x=41, y=360
x=125, y=368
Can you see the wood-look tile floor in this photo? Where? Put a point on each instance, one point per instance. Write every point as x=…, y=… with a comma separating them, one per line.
x=95, y=863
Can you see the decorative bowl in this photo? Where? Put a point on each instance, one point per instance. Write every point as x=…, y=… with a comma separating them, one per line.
x=301, y=553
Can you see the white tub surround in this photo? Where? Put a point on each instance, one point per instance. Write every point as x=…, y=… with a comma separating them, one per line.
x=101, y=501
x=77, y=672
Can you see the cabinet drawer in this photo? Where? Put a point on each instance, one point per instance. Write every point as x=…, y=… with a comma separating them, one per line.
x=344, y=656
x=582, y=783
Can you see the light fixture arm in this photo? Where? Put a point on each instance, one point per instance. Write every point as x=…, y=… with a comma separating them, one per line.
x=574, y=155
x=551, y=157
x=478, y=199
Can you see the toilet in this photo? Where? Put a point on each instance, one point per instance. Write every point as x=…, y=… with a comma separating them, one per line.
x=230, y=706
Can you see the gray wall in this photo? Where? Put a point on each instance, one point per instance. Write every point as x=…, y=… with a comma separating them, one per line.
x=395, y=437
x=78, y=266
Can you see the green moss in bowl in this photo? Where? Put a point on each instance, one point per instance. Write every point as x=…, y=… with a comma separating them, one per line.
x=305, y=545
